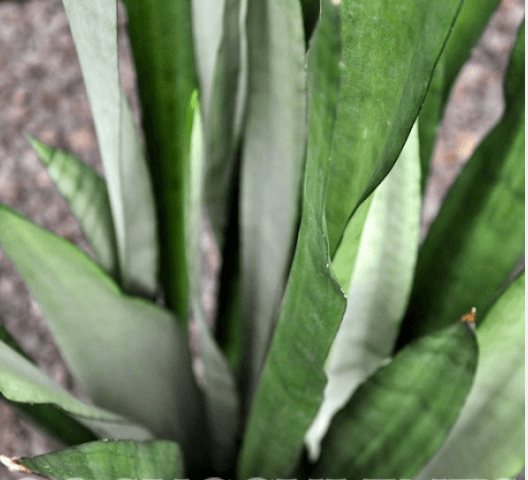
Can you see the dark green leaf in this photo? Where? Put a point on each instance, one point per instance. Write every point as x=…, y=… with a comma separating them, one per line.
x=110, y=461
x=62, y=427
x=311, y=10
x=161, y=37
x=487, y=440
x=292, y=383
x=390, y=49
x=86, y=194
x=400, y=416
x=477, y=240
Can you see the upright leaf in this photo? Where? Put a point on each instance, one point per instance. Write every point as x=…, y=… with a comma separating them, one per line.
x=86, y=194
x=390, y=49
x=129, y=355
x=221, y=132
x=470, y=23
x=380, y=287
x=25, y=384
x=401, y=415
x=488, y=437
x=459, y=266
x=292, y=383
x=208, y=30
x=110, y=460
x=221, y=396
x=162, y=45
x=272, y=164
x=94, y=28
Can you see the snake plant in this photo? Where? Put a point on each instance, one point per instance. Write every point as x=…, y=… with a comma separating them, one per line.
x=341, y=346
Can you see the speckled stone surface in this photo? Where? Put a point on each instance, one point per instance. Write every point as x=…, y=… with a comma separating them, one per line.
x=42, y=94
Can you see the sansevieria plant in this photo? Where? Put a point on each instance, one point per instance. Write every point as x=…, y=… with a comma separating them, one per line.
x=341, y=347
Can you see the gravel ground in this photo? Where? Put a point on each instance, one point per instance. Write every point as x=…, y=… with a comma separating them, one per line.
x=42, y=94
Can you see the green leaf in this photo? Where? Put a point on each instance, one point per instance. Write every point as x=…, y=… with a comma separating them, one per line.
x=94, y=28
x=401, y=415
x=53, y=420
x=220, y=389
x=380, y=287
x=390, y=49
x=221, y=131
x=273, y=156
x=110, y=461
x=162, y=45
x=129, y=356
x=86, y=194
x=208, y=28
x=459, y=265
x=221, y=195
x=488, y=437
x=292, y=383
x=24, y=383
x=56, y=423
x=346, y=255
x=470, y=23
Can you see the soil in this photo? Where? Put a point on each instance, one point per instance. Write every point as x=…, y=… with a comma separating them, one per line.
x=42, y=94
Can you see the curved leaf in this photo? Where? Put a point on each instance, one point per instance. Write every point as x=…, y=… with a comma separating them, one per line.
x=161, y=38
x=272, y=165
x=58, y=424
x=292, y=383
x=390, y=49
x=488, y=437
x=401, y=415
x=94, y=28
x=380, y=287
x=458, y=264
x=130, y=356
x=86, y=194
x=220, y=391
x=24, y=383
x=470, y=23
x=53, y=420
x=110, y=461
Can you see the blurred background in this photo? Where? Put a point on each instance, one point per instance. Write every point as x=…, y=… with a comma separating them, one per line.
x=42, y=94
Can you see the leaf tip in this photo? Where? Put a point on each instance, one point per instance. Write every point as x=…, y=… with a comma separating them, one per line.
x=13, y=466
x=469, y=318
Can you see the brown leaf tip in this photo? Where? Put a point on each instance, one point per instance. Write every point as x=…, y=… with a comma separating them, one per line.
x=13, y=466
x=470, y=317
